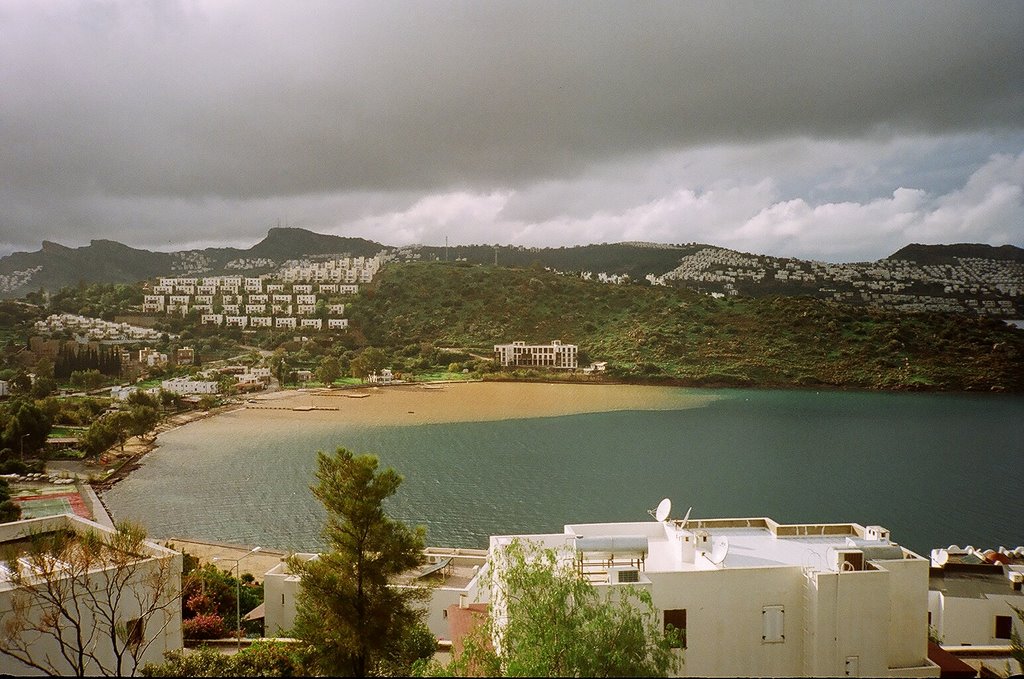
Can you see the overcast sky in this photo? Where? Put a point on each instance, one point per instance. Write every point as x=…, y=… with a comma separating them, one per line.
x=836, y=131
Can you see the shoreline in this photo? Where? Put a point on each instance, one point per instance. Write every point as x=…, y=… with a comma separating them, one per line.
x=470, y=401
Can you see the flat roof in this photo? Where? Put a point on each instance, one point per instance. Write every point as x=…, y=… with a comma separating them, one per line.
x=752, y=542
x=972, y=584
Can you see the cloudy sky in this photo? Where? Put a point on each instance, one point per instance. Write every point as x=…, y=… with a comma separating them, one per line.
x=836, y=131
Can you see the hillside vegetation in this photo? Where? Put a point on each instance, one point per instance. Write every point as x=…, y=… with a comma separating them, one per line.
x=664, y=334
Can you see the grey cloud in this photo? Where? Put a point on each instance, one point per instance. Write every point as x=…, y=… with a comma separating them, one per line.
x=252, y=107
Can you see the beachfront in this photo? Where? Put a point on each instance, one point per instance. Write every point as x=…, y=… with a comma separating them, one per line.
x=463, y=402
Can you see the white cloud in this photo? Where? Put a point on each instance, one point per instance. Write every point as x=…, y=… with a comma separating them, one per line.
x=751, y=216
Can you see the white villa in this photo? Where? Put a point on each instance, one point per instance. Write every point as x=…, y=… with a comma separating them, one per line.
x=971, y=593
x=752, y=597
x=134, y=594
x=555, y=356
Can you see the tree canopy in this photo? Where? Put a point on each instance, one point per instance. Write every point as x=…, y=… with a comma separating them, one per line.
x=557, y=624
x=352, y=619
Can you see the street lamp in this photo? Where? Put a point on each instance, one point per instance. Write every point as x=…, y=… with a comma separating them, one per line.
x=23, y=445
x=238, y=593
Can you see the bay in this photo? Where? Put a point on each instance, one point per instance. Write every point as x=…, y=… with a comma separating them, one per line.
x=935, y=469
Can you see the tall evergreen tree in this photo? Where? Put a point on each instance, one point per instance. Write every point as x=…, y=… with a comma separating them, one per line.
x=351, y=618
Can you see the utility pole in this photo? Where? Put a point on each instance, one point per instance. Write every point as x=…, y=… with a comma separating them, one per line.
x=446, y=248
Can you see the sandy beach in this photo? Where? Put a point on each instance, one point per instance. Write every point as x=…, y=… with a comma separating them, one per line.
x=464, y=402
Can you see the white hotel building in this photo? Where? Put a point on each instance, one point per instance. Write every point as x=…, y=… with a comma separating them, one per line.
x=555, y=356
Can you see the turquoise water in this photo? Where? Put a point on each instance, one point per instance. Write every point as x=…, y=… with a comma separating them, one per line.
x=934, y=469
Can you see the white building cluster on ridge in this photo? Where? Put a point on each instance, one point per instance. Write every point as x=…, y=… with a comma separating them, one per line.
x=93, y=328
x=287, y=300
x=968, y=285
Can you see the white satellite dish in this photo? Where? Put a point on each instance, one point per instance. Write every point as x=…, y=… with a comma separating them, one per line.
x=719, y=549
x=941, y=557
x=664, y=507
x=686, y=518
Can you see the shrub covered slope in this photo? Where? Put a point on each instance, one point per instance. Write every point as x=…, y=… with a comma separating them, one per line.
x=655, y=333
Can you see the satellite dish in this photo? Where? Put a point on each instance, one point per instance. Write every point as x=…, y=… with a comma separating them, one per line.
x=942, y=557
x=686, y=518
x=664, y=507
x=719, y=549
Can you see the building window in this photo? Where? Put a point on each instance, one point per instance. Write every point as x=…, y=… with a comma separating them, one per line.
x=675, y=619
x=134, y=632
x=1004, y=625
x=773, y=624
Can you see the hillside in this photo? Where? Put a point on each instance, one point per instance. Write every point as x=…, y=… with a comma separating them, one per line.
x=964, y=278
x=102, y=261
x=658, y=333
x=948, y=254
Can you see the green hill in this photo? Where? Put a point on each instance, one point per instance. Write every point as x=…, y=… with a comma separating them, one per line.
x=665, y=334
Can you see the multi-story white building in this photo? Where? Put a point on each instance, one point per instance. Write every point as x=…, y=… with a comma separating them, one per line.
x=261, y=322
x=119, y=604
x=337, y=323
x=756, y=598
x=285, y=322
x=153, y=302
x=302, y=289
x=750, y=596
x=314, y=323
x=212, y=319
x=236, y=321
x=554, y=356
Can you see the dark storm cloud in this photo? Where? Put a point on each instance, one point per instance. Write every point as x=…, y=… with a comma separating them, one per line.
x=259, y=106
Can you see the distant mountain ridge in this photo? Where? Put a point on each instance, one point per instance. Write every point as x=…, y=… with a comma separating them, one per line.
x=946, y=254
x=105, y=261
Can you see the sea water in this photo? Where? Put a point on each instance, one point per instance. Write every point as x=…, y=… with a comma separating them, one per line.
x=935, y=469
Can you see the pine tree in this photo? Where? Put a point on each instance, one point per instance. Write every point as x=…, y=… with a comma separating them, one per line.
x=348, y=614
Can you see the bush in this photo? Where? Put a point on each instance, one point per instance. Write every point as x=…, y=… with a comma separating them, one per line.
x=13, y=467
x=266, y=659
x=204, y=626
